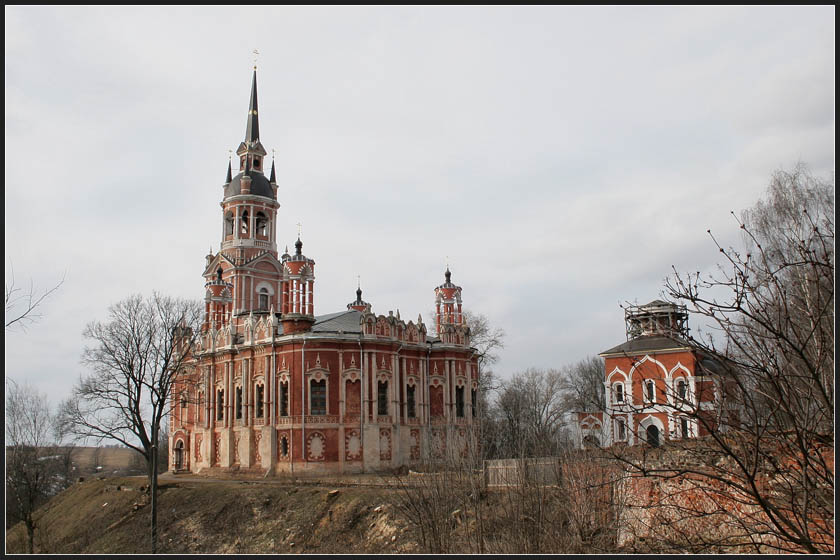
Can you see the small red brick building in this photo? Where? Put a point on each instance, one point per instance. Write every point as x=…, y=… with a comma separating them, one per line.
x=275, y=387
x=656, y=383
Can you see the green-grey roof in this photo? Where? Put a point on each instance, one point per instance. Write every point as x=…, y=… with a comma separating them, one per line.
x=345, y=321
x=259, y=185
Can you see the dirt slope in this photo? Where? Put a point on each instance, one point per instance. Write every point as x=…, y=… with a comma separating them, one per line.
x=197, y=516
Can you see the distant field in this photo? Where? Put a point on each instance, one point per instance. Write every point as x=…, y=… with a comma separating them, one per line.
x=111, y=460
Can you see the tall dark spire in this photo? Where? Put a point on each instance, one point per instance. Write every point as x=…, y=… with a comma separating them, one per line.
x=229, y=177
x=252, y=132
x=273, y=178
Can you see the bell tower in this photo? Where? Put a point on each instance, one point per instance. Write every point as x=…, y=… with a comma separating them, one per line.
x=249, y=203
x=245, y=275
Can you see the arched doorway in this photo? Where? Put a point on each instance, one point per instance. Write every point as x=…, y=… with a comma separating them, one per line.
x=179, y=455
x=652, y=435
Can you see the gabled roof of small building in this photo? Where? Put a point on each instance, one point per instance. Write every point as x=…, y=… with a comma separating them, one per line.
x=648, y=343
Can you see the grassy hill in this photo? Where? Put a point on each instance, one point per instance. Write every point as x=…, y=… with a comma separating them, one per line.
x=111, y=515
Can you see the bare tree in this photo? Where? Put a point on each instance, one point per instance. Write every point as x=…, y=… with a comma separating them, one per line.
x=531, y=414
x=134, y=359
x=35, y=465
x=487, y=340
x=22, y=306
x=765, y=472
x=583, y=385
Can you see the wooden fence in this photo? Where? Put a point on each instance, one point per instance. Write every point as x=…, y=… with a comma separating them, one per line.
x=513, y=472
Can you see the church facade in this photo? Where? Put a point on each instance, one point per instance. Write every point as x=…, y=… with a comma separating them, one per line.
x=273, y=387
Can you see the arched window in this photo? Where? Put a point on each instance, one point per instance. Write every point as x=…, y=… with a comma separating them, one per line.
x=220, y=404
x=474, y=397
x=259, y=397
x=650, y=390
x=620, y=429
x=618, y=393
x=318, y=398
x=684, y=429
x=652, y=435
x=284, y=399
x=243, y=222
x=262, y=225
x=410, y=401
x=682, y=389
x=284, y=446
x=179, y=455
x=459, y=402
x=382, y=399
x=238, y=403
x=263, y=299
x=228, y=223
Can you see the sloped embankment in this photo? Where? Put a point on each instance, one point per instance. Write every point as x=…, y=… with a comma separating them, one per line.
x=112, y=516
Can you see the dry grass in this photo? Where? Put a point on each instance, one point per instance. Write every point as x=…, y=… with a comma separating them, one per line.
x=112, y=516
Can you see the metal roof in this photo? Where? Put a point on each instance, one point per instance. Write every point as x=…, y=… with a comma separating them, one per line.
x=647, y=344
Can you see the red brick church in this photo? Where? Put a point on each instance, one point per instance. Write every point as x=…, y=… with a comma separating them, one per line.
x=657, y=384
x=273, y=387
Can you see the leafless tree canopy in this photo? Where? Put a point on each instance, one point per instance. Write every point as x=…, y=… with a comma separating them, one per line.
x=485, y=338
x=529, y=414
x=36, y=467
x=22, y=307
x=133, y=361
x=583, y=385
x=768, y=465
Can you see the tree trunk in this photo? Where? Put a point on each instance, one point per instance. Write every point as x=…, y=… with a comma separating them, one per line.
x=30, y=534
x=153, y=490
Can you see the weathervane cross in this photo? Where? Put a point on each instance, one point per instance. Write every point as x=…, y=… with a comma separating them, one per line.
x=298, y=225
x=256, y=54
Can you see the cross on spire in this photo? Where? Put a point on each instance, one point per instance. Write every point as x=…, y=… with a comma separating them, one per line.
x=256, y=54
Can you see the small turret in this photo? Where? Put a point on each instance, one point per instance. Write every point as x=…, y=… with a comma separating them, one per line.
x=298, y=312
x=447, y=304
x=359, y=304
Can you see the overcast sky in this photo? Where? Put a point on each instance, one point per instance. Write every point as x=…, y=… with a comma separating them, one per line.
x=563, y=158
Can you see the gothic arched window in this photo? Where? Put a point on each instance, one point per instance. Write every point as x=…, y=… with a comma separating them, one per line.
x=243, y=225
x=263, y=299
